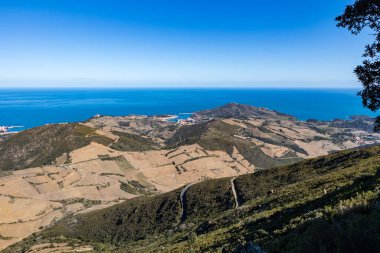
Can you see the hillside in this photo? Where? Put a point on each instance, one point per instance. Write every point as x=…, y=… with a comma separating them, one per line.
x=54, y=171
x=263, y=137
x=328, y=204
x=240, y=111
x=42, y=145
x=219, y=135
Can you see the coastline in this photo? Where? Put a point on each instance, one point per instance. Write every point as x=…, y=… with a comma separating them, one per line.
x=28, y=107
x=5, y=130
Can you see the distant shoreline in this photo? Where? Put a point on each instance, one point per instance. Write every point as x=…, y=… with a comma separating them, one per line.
x=36, y=107
x=28, y=88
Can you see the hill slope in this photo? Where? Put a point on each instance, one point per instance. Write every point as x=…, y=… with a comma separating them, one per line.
x=219, y=135
x=263, y=137
x=49, y=172
x=42, y=145
x=328, y=204
x=240, y=111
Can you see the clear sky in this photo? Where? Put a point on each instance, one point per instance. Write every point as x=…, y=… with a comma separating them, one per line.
x=176, y=43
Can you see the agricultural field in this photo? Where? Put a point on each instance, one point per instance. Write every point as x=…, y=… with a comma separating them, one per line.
x=55, y=171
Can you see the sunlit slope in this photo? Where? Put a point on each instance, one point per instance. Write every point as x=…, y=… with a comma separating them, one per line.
x=54, y=171
x=328, y=203
x=43, y=145
x=264, y=138
x=230, y=137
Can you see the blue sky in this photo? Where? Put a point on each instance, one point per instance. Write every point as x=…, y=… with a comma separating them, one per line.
x=176, y=43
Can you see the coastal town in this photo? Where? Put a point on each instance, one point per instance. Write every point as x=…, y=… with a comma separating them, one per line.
x=164, y=118
x=6, y=131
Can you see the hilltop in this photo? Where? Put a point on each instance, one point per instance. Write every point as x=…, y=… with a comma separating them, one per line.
x=63, y=169
x=328, y=203
x=240, y=111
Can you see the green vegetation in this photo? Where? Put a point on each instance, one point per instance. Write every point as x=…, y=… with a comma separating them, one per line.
x=328, y=204
x=42, y=145
x=282, y=141
x=217, y=135
x=131, y=220
x=188, y=134
x=134, y=187
x=256, y=156
x=123, y=163
x=208, y=198
x=359, y=16
x=239, y=111
x=5, y=238
x=86, y=202
x=105, y=157
x=132, y=142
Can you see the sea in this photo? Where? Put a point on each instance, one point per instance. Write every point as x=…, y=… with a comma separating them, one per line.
x=28, y=108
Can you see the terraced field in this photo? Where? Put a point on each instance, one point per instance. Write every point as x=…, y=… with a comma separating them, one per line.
x=98, y=176
x=54, y=171
x=329, y=203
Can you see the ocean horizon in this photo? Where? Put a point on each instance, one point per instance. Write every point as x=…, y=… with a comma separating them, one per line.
x=30, y=107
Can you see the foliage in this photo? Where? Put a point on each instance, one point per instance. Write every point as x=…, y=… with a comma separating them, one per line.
x=207, y=198
x=134, y=187
x=42, y=145
x=356, y=17
x=328, y=204
x=132, y=142
x=131, y=220
x=217, y=135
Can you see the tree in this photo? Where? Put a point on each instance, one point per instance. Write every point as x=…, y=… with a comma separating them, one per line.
x=365, y=14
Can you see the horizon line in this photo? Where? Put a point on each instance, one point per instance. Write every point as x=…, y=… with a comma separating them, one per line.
x=182, y=87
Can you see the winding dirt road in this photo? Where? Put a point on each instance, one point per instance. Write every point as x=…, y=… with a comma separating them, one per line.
x=234, y=192
x=183, y=201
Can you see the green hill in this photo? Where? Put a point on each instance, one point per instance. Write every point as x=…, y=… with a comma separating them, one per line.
x=328, y=204
x=240, y=111
x=42, y=145
x=132, y=142
x=217, y=135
